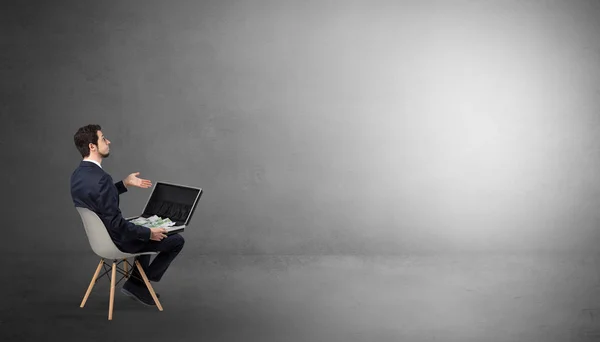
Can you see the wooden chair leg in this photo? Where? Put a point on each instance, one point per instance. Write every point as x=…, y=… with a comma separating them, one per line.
x=126, y=268
x=112, y=290
x=89, y=290
x=139, y=266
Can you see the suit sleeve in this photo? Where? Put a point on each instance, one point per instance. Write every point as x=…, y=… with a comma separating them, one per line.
x=108, y=202
x=121, y=187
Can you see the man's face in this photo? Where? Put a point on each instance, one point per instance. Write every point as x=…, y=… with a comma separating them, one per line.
x=103, y=148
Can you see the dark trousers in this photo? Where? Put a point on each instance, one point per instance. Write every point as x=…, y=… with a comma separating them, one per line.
x=168, y=249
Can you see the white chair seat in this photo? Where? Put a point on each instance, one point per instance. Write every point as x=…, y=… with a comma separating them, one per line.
x=99, y=238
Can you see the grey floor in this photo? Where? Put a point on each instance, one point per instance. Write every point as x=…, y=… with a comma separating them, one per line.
x=312, y=298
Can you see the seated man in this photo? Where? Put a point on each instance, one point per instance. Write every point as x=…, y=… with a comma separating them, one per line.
x=94, y=189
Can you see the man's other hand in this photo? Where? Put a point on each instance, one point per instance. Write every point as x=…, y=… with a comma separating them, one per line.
x=133, y=180
x=157, y=234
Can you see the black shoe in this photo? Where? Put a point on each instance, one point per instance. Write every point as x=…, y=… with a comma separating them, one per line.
x=142, y=287
x=141, y=294
x=140, y=283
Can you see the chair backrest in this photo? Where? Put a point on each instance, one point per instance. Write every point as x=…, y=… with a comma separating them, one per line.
x=98, y=237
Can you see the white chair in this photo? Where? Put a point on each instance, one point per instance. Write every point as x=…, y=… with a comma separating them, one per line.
x=106, y=249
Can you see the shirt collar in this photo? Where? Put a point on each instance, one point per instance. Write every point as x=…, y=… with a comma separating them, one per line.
x=93, y=161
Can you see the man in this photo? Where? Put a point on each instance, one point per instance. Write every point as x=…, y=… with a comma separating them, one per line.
x=94, y=189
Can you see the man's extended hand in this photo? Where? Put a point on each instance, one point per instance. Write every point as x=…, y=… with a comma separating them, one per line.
x=133, y=180
x=157, y=234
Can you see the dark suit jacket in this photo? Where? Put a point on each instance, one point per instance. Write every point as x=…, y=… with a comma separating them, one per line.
x=94, y=189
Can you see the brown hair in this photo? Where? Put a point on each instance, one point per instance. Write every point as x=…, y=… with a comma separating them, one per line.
x=84, y=136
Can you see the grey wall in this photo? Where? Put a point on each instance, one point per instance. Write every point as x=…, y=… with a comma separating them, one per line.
x=443, y=154
x=351, y=127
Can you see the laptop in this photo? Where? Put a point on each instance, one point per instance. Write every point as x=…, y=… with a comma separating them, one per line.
x=174, y=201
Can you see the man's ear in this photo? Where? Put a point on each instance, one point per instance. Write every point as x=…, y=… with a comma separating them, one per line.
x=91, y=146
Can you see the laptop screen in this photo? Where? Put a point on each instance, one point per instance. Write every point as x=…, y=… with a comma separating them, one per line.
x=177, y=202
